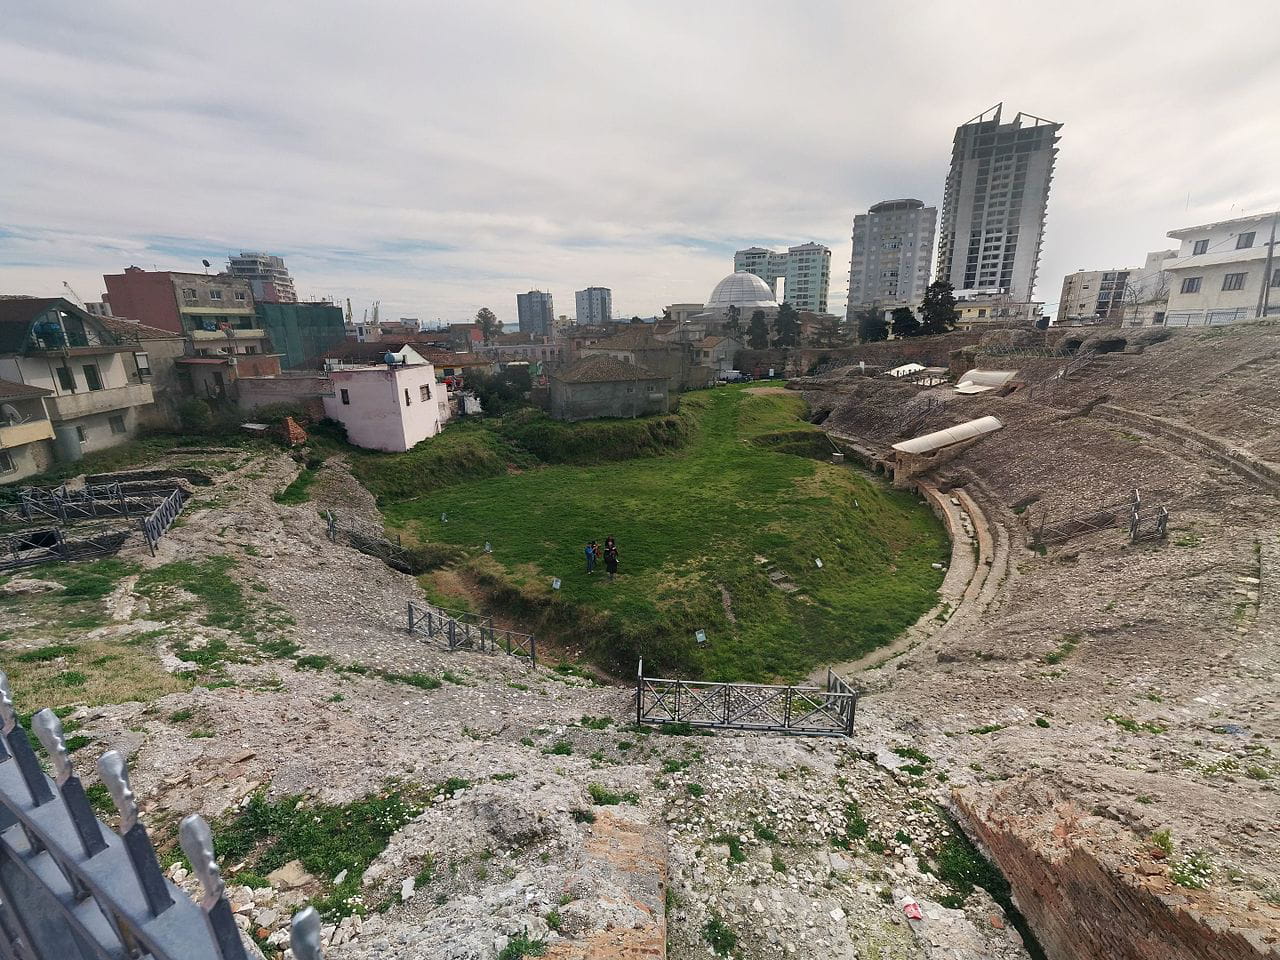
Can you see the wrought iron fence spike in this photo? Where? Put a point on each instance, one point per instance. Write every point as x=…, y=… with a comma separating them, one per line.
x=197, y=843
x=304, y=935
x=8, y=718
x=48, y=730
x=115, y=777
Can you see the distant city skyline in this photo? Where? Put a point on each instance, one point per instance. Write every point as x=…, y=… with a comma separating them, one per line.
x=129, y=142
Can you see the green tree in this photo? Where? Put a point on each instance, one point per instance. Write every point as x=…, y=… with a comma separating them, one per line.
x=872, y=326
x=905, y=323
x=733, y=326
x=828, y=332
x=488, y=323
x=939, y=308
x=758, y=331
x=786, y=326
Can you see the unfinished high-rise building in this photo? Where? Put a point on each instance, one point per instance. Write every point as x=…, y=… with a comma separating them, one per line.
x=993, y=208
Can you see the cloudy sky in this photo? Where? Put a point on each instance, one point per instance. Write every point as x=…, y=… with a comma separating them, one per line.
x=444, y=156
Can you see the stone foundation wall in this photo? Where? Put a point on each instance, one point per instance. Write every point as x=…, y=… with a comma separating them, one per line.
x=1090, y=895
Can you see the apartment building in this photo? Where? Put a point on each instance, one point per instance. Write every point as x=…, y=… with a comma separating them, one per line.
x=995, y=202
x=594, y=305
x=267, y=276
x=536, y=312
x=1224, y=272
x=1132, y=296
x=805, y=270
x=892, y=250
x=180, y=302
x=95, y=385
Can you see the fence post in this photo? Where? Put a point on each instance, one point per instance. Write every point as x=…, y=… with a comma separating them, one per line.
x=48, y=729
x=786, y=709
x=197, y=843
x=115, y=776
x=533, y=651
x=640, y=691
x=411, y=616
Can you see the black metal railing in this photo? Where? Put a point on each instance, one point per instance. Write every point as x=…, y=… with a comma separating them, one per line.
x=461, y=630
x=158, y=522
x=71, y=888
x=812, y=711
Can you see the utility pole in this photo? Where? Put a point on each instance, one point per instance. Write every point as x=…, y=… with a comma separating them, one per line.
x=1264, y=299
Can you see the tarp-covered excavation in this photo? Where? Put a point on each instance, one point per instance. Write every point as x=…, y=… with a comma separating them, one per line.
x=904, y=370
x=945, y=438
x=980, y=381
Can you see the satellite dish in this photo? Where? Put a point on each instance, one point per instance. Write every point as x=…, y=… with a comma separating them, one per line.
x=206, y=263
x=10, y=413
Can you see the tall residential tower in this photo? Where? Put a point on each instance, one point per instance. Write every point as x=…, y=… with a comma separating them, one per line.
x=993, y=208
x=892, y=247
x=806, y=270
x=537, y=313
x=594, y=306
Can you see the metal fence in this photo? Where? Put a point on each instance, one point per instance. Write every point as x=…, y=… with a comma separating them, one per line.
x=469, y=631
x=157, y=523
x=390, y=552
x=71, y=888
x=813, y=711
x=1144, y=523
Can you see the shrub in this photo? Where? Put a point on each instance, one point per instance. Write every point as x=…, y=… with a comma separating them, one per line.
x=718, y=934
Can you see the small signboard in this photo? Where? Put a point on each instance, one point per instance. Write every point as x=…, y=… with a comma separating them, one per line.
x=818, y=562
x=555, y=583
x=444, y=518
x=488, y=547
x=700, y=636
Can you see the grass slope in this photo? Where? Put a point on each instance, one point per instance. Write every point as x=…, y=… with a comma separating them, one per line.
x=696, y=524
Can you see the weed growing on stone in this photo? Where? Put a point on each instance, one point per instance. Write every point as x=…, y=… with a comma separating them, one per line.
x=606, y=798
x=521, y=946
x=719, y=935
x=596, y=723
x=1064, y=650
x=1193, y=870
x=561, y=748
x=1163, y=840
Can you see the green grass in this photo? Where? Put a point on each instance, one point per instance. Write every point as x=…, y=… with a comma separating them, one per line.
x=297, y=491
x=210, y=581
x=326, y=838
x=688, y=523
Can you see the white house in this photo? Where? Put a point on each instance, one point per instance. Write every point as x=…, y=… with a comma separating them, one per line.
x=388, y=407
x=1224, y=272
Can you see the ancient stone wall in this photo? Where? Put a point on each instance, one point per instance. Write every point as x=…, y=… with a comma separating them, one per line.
x=1087, y=893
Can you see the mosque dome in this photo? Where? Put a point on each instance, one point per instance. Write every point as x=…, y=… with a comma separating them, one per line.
x=743, y=290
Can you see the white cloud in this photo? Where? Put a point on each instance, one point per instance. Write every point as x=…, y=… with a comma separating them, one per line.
x=444, y=156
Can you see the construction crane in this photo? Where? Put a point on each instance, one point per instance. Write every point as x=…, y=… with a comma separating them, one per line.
x=75, y=296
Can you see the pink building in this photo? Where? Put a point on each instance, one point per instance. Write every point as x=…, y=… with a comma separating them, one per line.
x=388, y=407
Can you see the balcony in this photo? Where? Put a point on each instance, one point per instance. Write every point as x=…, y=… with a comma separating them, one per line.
x=20, y=434
x=74, y=405
x=235, y=333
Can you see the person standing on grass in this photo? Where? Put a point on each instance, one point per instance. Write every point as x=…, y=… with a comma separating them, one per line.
x=611, y=558
x=593, y=553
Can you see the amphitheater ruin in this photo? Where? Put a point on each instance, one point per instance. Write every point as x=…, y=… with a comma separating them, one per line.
x=1092, y=702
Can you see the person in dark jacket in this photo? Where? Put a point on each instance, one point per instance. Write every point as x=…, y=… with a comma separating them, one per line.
x=593, y=552
x=611, y=558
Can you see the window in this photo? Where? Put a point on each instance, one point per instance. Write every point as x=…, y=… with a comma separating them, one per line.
x=346, y=397
x=82, y=435
x=240, y=295
x=117, y=424
x=1201, y=246
x=1275, y=277
x=189, y=293
x=1191, y=284
x=1245, y=240
x=66, y=380
x=407, y=401
x=144, y=364
x=1234, y=281
x=6, y=462
x=424, y=393
x=91, y=376
x=1157, y=318
x=215, y=294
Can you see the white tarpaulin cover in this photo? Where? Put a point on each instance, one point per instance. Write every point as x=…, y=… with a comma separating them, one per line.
x=945, y=438
x=980, y=381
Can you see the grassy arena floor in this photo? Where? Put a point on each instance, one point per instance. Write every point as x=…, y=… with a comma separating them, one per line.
x=698, y=531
